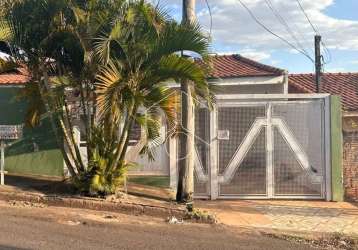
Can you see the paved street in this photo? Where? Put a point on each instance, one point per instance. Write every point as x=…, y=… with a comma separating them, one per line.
x=26, y=227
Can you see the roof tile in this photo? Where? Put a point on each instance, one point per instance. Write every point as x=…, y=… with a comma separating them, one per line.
x=343, y=84
x=19, y=78
x=226, y=66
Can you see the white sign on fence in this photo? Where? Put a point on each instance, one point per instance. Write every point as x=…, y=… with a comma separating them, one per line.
x=10, y=132
x=7, y=132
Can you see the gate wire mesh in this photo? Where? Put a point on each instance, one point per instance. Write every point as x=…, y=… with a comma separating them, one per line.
x=290, y=178
x=202, y=141
x=305, y=122
x=250, y=178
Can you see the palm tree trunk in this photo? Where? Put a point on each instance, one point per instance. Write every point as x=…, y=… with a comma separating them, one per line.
x=124, y=137
x=88, y=120
x=74, y=142
x=53, y=123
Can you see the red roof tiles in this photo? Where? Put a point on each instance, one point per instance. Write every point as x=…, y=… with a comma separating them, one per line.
x=226, y=66
x=343, y=84
x=13, y=79
x=19, y=78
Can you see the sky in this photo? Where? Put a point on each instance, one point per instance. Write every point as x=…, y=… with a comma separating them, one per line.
x=234, y=31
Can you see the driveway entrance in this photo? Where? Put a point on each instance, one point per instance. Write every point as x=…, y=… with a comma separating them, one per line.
x=263, y=148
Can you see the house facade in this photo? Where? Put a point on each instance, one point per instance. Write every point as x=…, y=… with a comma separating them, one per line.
x=256, y=142
x=36, y=153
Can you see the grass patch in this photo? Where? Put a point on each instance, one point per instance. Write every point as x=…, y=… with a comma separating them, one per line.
x=154, y=181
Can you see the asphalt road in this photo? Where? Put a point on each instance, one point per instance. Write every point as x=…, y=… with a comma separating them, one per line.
x=26, y=227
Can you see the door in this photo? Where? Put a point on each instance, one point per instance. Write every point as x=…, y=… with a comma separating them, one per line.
x=271, y=150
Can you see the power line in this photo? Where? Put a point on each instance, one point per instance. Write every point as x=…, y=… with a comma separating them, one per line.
x=329, y=55
x=211, y=17
x=308, y=19
x=285, y=24
x=272, y=33
x=328, y=52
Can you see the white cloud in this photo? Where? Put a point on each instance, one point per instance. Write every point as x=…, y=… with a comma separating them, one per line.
x=233, y=26
x=249, y=53
x=255, y=55
x=335, y=70
x=275, y=62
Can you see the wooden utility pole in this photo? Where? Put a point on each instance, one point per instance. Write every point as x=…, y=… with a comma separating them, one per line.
x=185, y=189
x=318, y=63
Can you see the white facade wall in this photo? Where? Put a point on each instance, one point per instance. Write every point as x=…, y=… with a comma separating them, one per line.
x=165, y=162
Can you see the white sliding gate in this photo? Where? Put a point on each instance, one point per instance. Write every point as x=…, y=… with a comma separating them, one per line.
x=263, y=146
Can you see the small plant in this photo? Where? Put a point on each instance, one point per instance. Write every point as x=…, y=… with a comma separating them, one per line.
x=198, y=215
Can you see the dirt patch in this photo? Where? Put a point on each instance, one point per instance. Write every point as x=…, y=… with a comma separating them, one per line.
x=334, y=241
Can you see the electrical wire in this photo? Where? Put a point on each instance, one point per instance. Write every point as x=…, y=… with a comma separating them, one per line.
x=308, y=19
x=328, y=53
x=272, y=33
x=211, y=17
x=285, y=24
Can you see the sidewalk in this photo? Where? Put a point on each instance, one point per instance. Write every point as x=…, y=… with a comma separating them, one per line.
x=293, y=216
x=56, y=185
x=283, y=216
x=140, y=200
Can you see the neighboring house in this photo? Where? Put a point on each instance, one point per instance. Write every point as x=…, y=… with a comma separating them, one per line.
x=36, y=152
x=346, y=86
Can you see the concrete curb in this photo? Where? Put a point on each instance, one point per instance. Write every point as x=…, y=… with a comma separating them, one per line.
x=95, y=204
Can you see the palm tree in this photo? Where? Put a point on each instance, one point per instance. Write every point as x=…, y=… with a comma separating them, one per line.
x=141, y=54
x=54, y=39
x=118, y=55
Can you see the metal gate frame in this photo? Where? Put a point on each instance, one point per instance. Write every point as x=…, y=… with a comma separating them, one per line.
x=258, y=100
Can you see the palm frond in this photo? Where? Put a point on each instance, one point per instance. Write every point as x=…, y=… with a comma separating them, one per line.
x=7, y=66
x=109, y=84
x=35, y=106
x=103, y=43
x=180, y=37
x=5, y=31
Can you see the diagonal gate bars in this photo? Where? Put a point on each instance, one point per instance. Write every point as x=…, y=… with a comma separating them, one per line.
x=263, y=146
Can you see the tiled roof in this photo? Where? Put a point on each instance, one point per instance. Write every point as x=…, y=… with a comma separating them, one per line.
x=343, y=84
x=221, y=66
x=227, y=66
x=19, y=78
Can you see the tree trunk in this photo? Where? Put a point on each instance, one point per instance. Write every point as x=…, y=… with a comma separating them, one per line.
x=124, y=136
x=49, y=110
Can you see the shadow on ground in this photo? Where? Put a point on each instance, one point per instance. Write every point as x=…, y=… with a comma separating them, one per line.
x=46, y=185
x=60, y=186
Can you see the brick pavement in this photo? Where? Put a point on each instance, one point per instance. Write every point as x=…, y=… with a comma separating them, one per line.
x=298, y=216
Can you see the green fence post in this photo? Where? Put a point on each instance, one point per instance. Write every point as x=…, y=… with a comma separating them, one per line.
x=336, y=149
